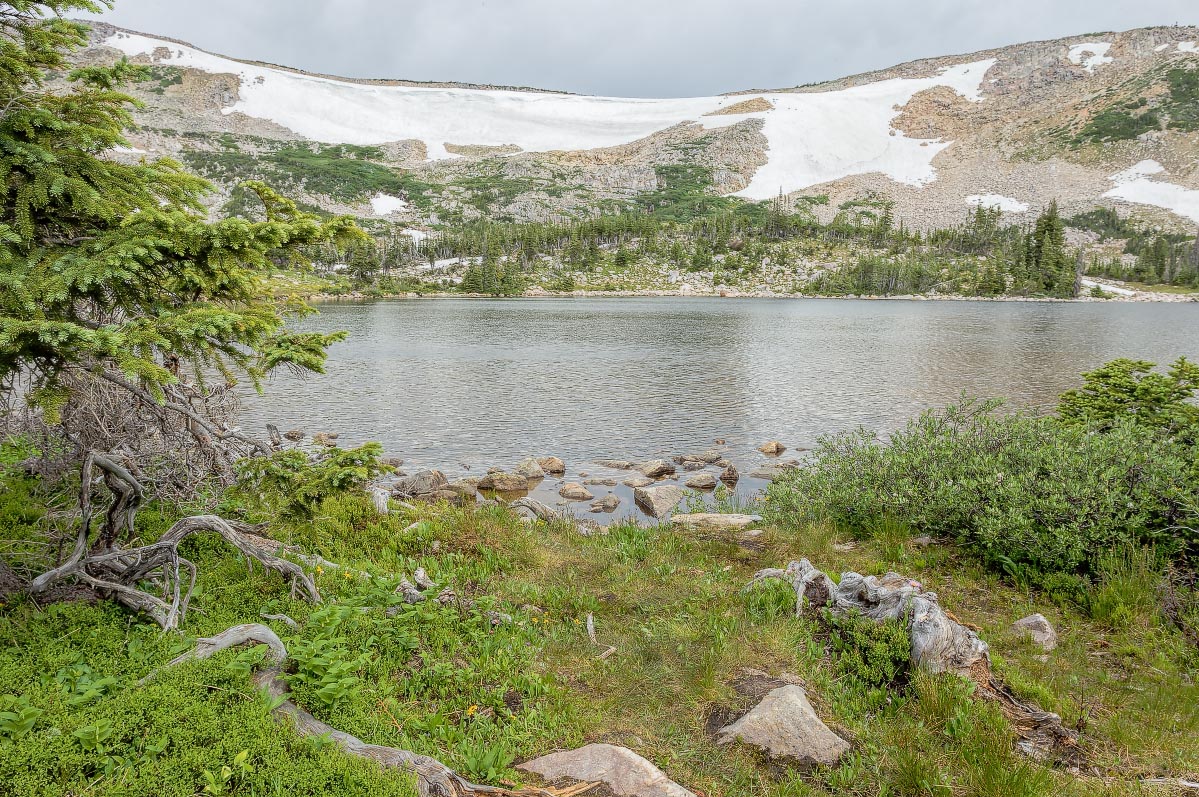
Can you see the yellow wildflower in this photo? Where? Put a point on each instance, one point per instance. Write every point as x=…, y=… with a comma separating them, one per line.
x=471, y=711
x=348, y=574
x=319, y=570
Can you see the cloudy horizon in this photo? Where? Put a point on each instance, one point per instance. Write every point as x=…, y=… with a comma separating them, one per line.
x=622, y=47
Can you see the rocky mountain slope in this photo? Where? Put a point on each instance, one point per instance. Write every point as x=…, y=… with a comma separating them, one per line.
x=1100, y=119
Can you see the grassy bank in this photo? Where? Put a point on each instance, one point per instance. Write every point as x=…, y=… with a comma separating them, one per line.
x=450, y=682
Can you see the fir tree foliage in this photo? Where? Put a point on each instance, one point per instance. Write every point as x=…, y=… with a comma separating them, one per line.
x=114, y=268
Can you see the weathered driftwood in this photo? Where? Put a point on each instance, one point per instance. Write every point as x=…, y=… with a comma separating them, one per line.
x=104, y=564
x=939, y=643
x=434, y=779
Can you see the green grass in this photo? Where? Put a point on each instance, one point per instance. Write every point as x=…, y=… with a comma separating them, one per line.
x=449, y=682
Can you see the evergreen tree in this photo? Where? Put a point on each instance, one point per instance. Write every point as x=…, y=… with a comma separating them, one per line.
x=113, y=271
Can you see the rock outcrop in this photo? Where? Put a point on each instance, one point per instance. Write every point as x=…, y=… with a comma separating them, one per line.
x=620, y=769
x=784, y=725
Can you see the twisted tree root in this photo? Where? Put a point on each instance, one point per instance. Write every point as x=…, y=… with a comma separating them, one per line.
x=434, y=779
x=120, y=572
x=939, y=644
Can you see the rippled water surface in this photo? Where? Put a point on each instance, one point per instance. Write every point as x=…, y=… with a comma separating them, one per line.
x=489, y=382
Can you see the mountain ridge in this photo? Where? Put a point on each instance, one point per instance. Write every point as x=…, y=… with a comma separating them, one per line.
x=932, y=135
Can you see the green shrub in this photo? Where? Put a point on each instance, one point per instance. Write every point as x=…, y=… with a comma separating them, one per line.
x=1032, y=496
x=869, y=658
x=293, y=483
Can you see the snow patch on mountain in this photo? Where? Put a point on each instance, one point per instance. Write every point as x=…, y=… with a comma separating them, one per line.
x=1133, y=185
x=385, y=204
x=1004, y=203
x=1089, y=55
x=814, y=137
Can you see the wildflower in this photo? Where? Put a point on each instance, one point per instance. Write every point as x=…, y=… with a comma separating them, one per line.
x=319, y=570
x=576, y=621
x=348, y=574
x=471, y=710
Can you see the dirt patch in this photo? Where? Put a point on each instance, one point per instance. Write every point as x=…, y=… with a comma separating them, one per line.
x=756, y=105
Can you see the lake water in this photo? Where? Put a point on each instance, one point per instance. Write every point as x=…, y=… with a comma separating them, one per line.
x=463, y=384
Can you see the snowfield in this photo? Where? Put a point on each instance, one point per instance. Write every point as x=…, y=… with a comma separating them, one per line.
x=1090, y=55
x=385, y=204
x=1004, y=203
x=1133, y=185
x=813, y=137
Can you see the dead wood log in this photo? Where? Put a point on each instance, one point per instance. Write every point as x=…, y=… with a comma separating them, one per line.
x=938, y=643
x=120, y=572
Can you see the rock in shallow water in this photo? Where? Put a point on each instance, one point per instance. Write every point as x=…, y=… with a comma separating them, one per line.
x=575, y=492
x=622, y=770
x=637, y=481
x=552, y=465
x=701, y=481
x=504, y=482
x=785, y=725
x=658, y=501
x=656, y=468
x=608, y=503
x=421, y=483
x=530, y=469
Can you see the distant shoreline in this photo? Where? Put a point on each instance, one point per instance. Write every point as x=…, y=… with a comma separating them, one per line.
x=1140, y=298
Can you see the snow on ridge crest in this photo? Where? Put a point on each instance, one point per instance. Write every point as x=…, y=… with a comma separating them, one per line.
x=814, y=137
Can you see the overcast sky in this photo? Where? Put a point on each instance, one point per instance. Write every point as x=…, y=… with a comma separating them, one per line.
x=638, y=48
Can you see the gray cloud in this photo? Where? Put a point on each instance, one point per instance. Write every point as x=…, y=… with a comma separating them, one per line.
x=638, y=48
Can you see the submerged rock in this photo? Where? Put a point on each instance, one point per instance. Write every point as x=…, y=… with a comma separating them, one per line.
x=552, y=465
x=1039, y=630
x=620, y=769
x=658, y=501
x=600, y=482
x=784, y=725
x=771, y=471
x=572, y=491
x=656, y=468
x=772, y=449
x=637, y=481
x=615, y=464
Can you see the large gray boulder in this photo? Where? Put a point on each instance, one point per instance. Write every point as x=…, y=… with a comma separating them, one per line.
x=620, y=769
x=423, y=482
x=658, y=501
x=1038, y=629
x=716, y=521
x=784, y=725
x=701, y=481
